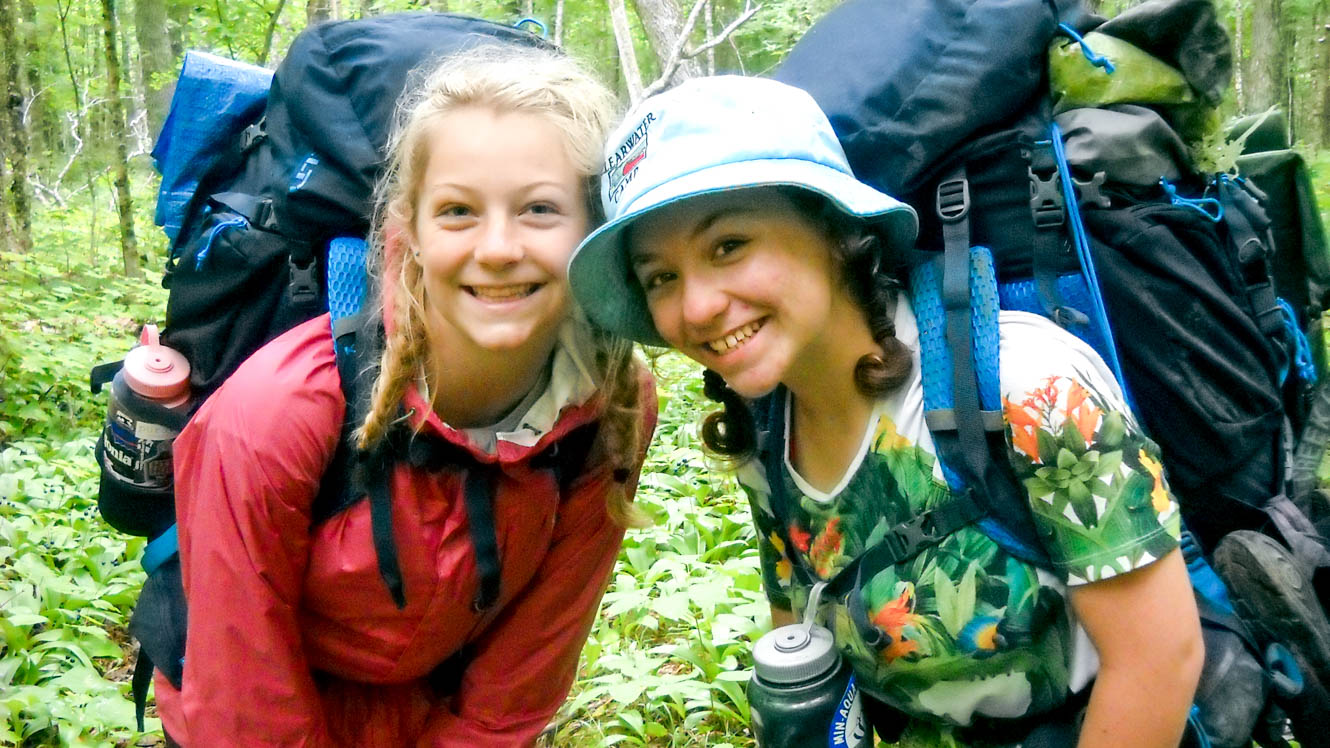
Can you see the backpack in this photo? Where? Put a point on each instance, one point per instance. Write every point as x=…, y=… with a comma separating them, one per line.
x=266, y=195
x=1001, y=123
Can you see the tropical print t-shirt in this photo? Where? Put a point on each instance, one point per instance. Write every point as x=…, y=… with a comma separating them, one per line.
x=968, y=630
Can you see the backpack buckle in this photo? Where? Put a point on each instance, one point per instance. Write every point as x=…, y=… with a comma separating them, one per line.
x=253, y=135
x=953, y=199
x=304, y=286
x=1046, y=201
x=906, y=539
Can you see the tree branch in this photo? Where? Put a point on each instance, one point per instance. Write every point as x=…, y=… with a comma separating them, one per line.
x=726, y=32
x=678, y=53
x=623, y=38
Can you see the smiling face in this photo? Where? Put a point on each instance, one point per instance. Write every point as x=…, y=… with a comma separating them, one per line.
x=501, y=207
x=743, y=283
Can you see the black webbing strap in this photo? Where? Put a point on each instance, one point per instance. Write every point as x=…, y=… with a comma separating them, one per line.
x=373, y=471
x=1249, y=226
x=101, y=374
x=138, y=685
x=956, y=308
x=478, y=492
x=1048, y=215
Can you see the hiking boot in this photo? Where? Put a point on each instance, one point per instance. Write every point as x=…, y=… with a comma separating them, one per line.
x=1279, y=605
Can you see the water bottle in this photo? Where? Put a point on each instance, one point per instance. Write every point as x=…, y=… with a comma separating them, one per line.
x=150, y=401
x=802, y=693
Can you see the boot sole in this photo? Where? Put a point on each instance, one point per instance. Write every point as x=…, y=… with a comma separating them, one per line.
x=1271, y=597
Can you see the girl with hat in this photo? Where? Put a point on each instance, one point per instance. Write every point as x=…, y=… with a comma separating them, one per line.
x=737, y=234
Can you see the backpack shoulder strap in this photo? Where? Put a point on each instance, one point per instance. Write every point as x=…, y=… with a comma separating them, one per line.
x=956, y=305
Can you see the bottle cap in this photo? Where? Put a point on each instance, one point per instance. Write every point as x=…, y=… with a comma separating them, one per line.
x=795, y=653
x=156, y=371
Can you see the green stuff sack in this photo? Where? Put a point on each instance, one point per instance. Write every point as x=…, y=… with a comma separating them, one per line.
x=1138, y=76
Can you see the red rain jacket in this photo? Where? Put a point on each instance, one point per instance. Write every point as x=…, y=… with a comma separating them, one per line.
x=293, y=639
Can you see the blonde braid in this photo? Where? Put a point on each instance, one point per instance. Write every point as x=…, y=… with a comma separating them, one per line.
x=620, y=435
x=404, y=354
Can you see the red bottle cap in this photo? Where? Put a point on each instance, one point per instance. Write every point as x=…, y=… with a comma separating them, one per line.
x=156, y=371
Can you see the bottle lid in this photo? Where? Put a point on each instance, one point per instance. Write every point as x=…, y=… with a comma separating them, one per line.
x=795, y=653
x=156, y=371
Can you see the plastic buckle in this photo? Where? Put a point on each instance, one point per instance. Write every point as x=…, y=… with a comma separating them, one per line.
x=304, y=286
x=1046, y=201
x=905, y=539
x=953, y=200
x=264, y=216
x=253, y=135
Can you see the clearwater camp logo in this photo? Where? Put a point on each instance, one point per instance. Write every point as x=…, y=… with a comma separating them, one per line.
x=621, y=166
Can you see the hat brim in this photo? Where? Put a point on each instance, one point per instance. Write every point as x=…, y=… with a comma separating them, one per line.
x=602, y=279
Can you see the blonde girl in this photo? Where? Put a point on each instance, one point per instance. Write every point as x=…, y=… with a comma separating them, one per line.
x=507, y=433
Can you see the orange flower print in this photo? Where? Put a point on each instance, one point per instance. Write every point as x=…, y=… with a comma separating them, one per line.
x=1024, y=428
x=826, y=548
x=1159, y=494
x=784, y=569
x=1081, y=412
x=1046, y=396
x=892, y=618
x=800, y=537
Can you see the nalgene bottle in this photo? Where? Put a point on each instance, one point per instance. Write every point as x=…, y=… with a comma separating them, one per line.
x=150, y=400
x=802, y=693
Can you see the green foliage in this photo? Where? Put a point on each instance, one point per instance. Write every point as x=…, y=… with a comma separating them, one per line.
x=67, y=581
x=669, y=656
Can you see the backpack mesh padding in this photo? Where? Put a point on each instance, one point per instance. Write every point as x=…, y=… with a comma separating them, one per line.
x=1022, y=296
x=347, y=282
x=934, y=355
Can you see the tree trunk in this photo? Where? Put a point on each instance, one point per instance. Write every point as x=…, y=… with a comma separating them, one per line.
x=272, y=30
x=120, y=134
x=1239, y=57
x=156, y=63
x=623, y=39
x=663, y=21
x=1267, y=83
x=558, y=23
x=179, y=12
x=6, y=231
x=16, y=134
x=711, y=32
x=42, y=120
x=318, y=11
x=1323, y=41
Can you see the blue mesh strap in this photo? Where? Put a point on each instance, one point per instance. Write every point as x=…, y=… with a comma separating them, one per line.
x=935, y=356
x=347, y=277
x=977, y=468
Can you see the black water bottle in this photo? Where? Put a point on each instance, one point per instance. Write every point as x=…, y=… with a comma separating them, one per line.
x=802, y=693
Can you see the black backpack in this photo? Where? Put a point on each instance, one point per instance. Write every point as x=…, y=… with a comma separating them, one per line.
x=247, y=262
x=948, y=105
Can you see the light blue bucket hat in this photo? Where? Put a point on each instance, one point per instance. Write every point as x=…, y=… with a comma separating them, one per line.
x=710, y=135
